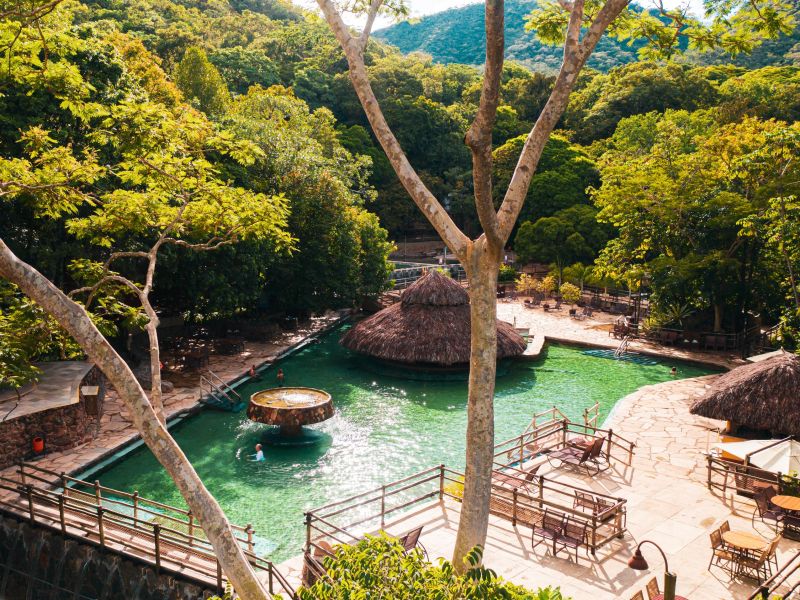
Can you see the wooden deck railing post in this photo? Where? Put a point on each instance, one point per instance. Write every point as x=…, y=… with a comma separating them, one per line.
x=100, y=528
x=541, y=491
x=608, y=443
x=271, y=591
x=708, y=467
x=97, y=493
x=249, y=531
x=61, y=514
x=441, y=482
x=157, y=545
x=514, y=509
x=64, y=482
x=29, y=493
x=308, y=532
x=135, y=496
x=21, y=472
x=383, y=506
x=219, y=578
x=191, y=527
x=563, y=432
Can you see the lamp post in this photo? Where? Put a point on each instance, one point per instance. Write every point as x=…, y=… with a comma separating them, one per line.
x=638, y=563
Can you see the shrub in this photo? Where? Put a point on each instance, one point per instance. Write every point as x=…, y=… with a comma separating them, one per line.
x=570, y=293
x=507, y=274
x=377, y=567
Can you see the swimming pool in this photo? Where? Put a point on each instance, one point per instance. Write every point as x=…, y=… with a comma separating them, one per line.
x=385, y=428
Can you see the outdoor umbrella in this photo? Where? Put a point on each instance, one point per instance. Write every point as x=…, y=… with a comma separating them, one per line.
x=777, y=456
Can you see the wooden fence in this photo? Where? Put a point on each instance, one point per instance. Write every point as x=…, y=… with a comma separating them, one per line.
x=165, y=537
x=512, y=498
x=785, y=583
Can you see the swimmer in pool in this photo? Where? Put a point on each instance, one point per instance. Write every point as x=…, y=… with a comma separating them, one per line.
x=259, y=455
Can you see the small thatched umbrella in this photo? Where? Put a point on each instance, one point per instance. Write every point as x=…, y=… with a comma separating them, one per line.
x=763, y=395
x=429, y=326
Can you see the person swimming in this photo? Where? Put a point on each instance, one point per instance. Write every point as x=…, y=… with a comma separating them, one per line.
x=280, y=377
x=673, y=371
x=259, y=455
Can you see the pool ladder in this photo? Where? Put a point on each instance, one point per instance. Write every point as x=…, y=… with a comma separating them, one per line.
x=215, y=392
x=623, y=347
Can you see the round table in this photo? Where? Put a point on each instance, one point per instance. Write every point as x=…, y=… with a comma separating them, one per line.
x=744, y=540
x=790, y=503
x=661, y=597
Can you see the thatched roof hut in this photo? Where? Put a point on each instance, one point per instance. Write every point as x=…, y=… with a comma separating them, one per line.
x=764, y=395
x=429, y=326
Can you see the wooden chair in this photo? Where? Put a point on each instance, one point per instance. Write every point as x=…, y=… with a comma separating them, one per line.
x=760, y=567
x=652, y=589
x=599, y=507
x=721, y=556
x=638, y=596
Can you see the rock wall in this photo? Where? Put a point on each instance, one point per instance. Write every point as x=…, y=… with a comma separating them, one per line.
x=39, y=563
x=62, y=428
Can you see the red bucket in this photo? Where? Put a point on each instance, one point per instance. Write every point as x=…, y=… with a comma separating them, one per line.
x=38, y=445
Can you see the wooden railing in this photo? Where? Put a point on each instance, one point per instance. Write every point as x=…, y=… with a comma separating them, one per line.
x=140, y=529
x=554, y=434
x=724, y=475
x=348, y=520
x=785, y=583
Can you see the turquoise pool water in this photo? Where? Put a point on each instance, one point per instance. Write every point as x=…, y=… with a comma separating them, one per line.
x=385, y=428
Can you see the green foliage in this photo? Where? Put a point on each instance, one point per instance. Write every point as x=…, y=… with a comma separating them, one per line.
x=378, y=567
x=201, y=82
x=507, y=274
x=570, y=293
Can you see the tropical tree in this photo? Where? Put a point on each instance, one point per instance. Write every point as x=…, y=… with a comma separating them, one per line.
x=578, y=25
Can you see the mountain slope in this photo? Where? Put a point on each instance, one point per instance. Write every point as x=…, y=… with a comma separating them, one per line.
x=457, y=36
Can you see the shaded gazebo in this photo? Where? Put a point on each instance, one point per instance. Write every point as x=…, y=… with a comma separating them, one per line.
x=762, y=396
x=430, y=326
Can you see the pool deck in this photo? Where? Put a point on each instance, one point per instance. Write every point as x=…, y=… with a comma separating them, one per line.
x=667, y=502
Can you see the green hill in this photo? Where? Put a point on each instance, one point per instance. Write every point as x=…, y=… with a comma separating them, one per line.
x=457, y=36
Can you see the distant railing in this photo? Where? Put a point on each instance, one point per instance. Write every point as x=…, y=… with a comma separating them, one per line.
x=514, y=499
x=405, y=276
x=140, y=529
x=744, y=479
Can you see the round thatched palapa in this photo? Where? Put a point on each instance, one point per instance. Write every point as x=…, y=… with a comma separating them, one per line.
x=429, y=326
x=763, y=395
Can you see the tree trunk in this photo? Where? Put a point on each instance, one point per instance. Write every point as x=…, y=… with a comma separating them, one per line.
x=482, y=269
x=718, y=311
x=155, y=366
x=76, y=321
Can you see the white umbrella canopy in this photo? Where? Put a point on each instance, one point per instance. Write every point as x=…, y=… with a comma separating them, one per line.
x=777, y=456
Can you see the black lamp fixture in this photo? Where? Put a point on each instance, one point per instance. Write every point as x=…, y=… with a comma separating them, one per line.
x=638, y=563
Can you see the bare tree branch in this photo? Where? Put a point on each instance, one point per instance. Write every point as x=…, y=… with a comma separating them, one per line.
x=575, y=55
x=373, y=12
x=420, y=194
x=479, y=135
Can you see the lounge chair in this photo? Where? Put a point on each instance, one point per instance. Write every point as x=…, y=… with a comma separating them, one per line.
x=575, y=457
x=572, y=536
x=550, y=528
x=411, y=540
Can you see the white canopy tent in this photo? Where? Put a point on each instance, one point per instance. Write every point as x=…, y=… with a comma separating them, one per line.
x=777, y=456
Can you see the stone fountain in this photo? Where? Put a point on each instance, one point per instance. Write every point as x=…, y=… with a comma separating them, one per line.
x=290, y=408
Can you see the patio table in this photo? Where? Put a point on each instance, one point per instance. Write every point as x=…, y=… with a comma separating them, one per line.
x=661, y=597
x=743, y=540
x=790, y=503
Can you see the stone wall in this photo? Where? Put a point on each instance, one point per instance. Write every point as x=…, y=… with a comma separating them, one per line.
x=40, y=563
x=62, y=428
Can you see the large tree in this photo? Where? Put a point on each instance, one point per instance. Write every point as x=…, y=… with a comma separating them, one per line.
x=578, y=25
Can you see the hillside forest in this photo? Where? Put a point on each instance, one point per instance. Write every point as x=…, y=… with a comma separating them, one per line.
x=677, y=177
